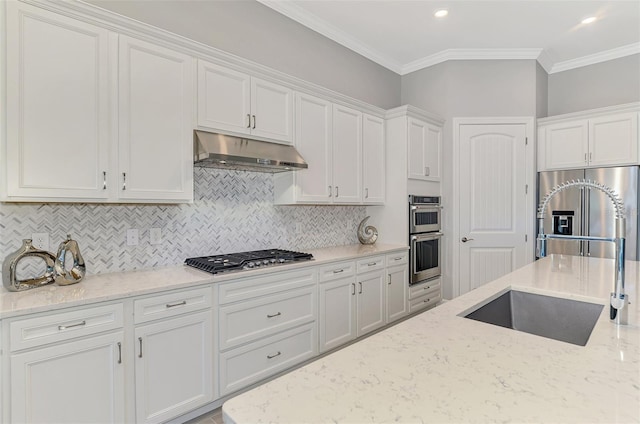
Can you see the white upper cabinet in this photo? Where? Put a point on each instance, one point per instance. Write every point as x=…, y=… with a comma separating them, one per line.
x=93, y=115
x=347, y=145
x=235, y=102
x=424, y=150
x=155, y=126
x=58, y=101
x=589, y=139
x=373, y=160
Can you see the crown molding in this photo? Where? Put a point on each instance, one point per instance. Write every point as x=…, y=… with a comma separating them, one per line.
x=592, y=59
x=324, y=28
x=544, y=59
x=470, y=54
x=414, y=112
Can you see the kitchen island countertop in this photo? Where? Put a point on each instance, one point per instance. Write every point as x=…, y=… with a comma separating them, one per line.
x=440, y=367
x=120, y=285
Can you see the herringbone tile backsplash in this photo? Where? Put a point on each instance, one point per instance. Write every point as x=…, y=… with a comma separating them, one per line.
x=233, y=211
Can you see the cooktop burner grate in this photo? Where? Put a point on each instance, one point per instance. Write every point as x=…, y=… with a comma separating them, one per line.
x=246, y=260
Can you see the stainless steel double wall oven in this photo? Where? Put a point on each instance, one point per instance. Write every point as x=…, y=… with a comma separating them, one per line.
x=424, y=238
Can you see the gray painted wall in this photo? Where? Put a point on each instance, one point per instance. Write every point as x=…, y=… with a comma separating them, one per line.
x=253, y=31
x=602, y=84
x=542, y=91
x=470, y=89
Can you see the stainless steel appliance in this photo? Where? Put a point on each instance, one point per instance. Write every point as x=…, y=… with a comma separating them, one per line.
x=246, y=260
x=587, y=212
x=424, y=238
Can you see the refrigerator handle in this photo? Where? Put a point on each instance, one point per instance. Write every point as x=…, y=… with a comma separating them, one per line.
x=587, y=220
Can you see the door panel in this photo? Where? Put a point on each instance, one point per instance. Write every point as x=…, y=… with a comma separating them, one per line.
x=601, y=213
x=492, y=201
x=569, y=200
x=347, y=144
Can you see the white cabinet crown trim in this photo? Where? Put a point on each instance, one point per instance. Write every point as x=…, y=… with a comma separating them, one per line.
x=123, y=25
x=591, y=113
x=414, y=112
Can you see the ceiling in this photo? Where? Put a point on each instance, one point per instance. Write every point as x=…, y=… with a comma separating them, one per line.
x=404, y=35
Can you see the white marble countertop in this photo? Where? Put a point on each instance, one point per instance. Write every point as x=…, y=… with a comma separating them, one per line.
x=439, y=367
x=119, y=285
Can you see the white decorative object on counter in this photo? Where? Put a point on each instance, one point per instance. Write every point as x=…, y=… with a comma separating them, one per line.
x=368, y=234
x=74, y=275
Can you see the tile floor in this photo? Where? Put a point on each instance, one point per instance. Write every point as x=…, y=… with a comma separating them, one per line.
x=213, y=417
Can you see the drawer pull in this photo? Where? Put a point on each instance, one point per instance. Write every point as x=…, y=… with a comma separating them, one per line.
x=371, y=263
x=398, y=258
x=353, y=289
x=171, y=305
x=64, y=327
x=140, y=340
x=274, y=315
x=360, y=291
x=427, y=288
x=119, y=352
x=426, y=300
x=274, y=355
x=338, y=271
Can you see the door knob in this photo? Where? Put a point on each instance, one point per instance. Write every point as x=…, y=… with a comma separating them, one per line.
x=464, y=239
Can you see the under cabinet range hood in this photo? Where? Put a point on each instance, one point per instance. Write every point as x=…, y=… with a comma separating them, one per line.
x=213, y=150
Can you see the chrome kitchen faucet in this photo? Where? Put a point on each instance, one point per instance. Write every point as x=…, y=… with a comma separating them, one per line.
x=618, y=313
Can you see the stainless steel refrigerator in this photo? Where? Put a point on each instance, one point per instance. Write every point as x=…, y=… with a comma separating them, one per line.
x=580, y=211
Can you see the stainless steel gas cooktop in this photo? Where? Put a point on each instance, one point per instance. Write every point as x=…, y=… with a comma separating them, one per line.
x=246, y=260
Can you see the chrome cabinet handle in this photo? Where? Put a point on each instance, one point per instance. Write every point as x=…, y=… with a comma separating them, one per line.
x=590, y=156
x=248, y=120
x=124, y=181
x=398, y=258
x=104, y=180
x=330, y=192
x=274, y=315
x=353, y=289
x=171, y=305
x=65, y=327
x=464, y=239
x=360, y=290
x=371, y=263
x=426, y=300
x=338, y=271
x=585, y=158
x=427, y=288
x=337, y=192
x=427, y=171
x=389, y=279
x=366, y=193
x=254, y=122
x=274, y=355
x=119, y=352
x=140, y=340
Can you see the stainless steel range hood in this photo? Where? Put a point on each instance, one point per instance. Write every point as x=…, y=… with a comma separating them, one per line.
x=213, y=150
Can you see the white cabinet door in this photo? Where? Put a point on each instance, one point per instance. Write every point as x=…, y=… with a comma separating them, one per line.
x=370, y=302
x=74, y=382
x=373, y=160
x=337, y=314
x=271, y=110
x=58, y=100
x=566, y=145
x=425, y=142
x=173, y=367
x=155, y=110
x=224, y=100
x=397, y=292
x=313, y=141
x=613, y=140
x=432, y=152
x=347, y=144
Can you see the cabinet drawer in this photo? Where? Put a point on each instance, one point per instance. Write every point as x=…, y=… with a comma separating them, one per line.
x=372, y=263
x=336, y=270
x=248, y=321
x=422, y=289
x=398, y=258
x=424, y=302
x=171, y=304
x=61, y=326
x=257, y=287
x=247, y=364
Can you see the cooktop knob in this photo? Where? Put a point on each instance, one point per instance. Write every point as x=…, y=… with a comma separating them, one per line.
x=251, y=265
x=281, y=260
x=272, y=260
x=266, y=262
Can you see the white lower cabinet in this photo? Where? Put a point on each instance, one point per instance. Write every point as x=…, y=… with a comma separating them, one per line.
x=350, y=305
x=425, y=295
x=67, y=366
x=173, y=368
x=173, y=355
x=397, y=292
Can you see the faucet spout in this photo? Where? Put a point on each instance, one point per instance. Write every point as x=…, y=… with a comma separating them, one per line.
x=618, y=311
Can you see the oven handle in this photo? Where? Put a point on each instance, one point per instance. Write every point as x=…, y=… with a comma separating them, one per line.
x=426, y=236
x=425, y=207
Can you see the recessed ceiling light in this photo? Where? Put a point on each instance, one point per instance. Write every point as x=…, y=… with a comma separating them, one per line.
x=441, y=13
x=589, y=20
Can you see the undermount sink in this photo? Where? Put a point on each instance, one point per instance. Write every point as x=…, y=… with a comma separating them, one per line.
x=561, y=319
